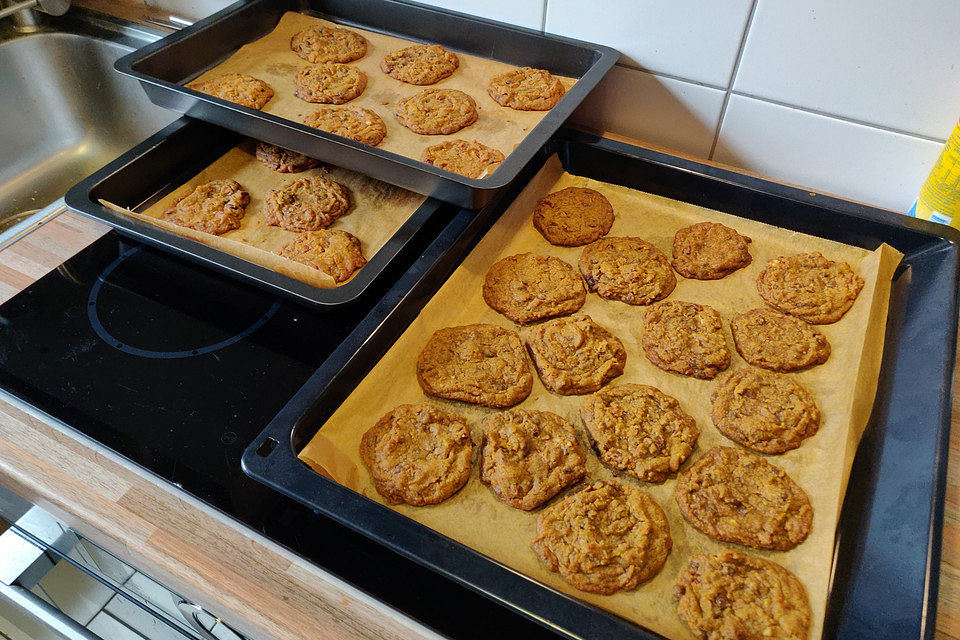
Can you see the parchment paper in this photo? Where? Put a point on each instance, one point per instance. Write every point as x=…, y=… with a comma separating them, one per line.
x=377, y=211
x=270, y=59
x=844, y=388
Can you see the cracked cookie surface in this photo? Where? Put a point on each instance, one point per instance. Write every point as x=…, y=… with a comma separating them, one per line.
x=213, y=207
x=306, y=204
x=283, y=160
x=686, y=338
x=420, y=64
x=355, y=123
x=526, y=89
x=437, y=111
x=709, y=251
x=810, y=287
x=575, y=355
x=630, y=270
x=328, y=44
x=470, y=159
x=773, y=340
x=331, y=251
x=573, y=216
x=238, y=88
x=527, y=287
x=329, y=83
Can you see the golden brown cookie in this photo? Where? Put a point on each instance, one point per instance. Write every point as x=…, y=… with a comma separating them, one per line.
x=810, y=287
x=639, y=429
x=575, y=355
x=527, y=287
x=528, y=457
x=773, y=340
x=418, y=454
x=355, y=123
x=436, y=111
x=236, y=87
x=709, y=251
x=685, y=337
x=306, y=204
x=329, y=83
x=331, y=251
x=328, y=44
x=283, y=160
x=478, y=363
x=526, y=89
x=630, y=270
x=420, y=64
x=765, y=411
x=730, y=595
x=736, y=496
x=573, y=216
x=213, y=207
x=603, y=539
x=470, y=159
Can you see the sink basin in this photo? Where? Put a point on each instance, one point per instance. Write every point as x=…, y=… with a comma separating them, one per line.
x=64, y=113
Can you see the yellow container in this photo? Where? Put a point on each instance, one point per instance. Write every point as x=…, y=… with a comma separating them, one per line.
x=939, y=198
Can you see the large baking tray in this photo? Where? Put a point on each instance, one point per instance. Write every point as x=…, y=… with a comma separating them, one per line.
x=163, y=66
x=173, y=155
x=887, y=554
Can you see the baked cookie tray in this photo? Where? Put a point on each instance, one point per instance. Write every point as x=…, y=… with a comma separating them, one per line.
x=176, y=154
x=164, y=66
x=887, y=550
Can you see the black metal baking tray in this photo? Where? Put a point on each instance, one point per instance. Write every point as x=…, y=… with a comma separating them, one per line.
x=163, y=66
x=175, y=154
x=887, y=553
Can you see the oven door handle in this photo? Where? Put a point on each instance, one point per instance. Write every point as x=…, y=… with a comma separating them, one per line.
x=44, y=613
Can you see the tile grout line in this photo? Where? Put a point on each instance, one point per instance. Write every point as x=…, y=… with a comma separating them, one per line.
x=543, y=17
x=733, y=78
x=123, y=624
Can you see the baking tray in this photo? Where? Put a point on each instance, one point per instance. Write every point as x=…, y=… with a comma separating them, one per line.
x=163, y=66
x=173, y=155
x=887, y=551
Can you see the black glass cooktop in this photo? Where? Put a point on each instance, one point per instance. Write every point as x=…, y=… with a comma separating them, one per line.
x=178, y=368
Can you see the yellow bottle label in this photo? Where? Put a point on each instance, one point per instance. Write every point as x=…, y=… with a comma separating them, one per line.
x=939, y=198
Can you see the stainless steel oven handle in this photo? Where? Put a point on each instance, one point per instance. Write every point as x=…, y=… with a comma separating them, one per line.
x=191, y=612
x=44, y=613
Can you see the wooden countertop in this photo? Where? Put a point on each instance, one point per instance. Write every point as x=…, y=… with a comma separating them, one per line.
x=259, y=588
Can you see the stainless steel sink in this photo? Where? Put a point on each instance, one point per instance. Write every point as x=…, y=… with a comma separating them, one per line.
x=64, y=111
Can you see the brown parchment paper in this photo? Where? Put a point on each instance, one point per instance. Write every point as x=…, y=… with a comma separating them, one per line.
x=270, y=59
x=377, y=211
x=844, y=388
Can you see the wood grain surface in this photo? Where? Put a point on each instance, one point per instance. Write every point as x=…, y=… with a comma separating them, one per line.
x=261, y=589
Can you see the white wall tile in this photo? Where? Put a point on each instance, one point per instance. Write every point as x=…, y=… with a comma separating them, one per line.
x=886, y=62
x=670, y=113
x=826, y=154
x=74, y=592
x=524, y=13
x=109, y=628
x=694, y=39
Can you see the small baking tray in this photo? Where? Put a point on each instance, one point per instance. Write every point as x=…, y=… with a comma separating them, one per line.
x=163, y=67
x=172, y=156
x=889, y=536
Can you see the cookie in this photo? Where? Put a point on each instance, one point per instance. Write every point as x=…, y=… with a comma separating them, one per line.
x=733, y=595
x=470, y=159
x=639, y=429
x=528, y=457
x=764, y=411
x=736, y=496
x=436, y=111
x=709, y=251
x=306, y=204
x=334, y=252
x=478, y=363
x=213, y=207
x=328, y=44
x=575, y=355
x=242, y=89
x=573, y=217
x=526, y=89
x=283, y=160
x=603, y=539
x=527, y=287
x=418, y=454
x=686, y=338
x=773, y=340
x=329, y=83
x=420, y=64
x=630, y=270
x=810, y=287
x=355, y=123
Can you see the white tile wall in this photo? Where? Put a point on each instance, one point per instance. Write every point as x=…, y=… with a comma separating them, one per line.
x=523, y=13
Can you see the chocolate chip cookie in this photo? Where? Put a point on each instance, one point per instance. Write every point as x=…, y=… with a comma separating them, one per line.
x=420, y=64
x=573, y=216
x=603, y=539
x=709, y=251
x=639, y=429
x=478, y=363
x=686, y=338
x=470, y=159
x=418, y=454
x=331, y=251
x=733, y=595
x=328, y=44
x=236, y=87
x=630, y=270
x=329, y=83
x=810, y=287
x=736, y=496
x=355, y=123
x=528, y=457
x=213, y=207
x=283, y=160
x=437, y=111
x=575, y=355
x=527, y=287
x=526, y=89
x=306, y=204
x=773, y=340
